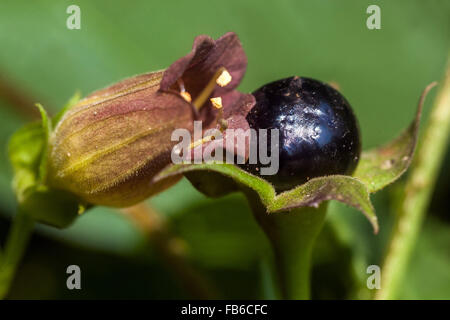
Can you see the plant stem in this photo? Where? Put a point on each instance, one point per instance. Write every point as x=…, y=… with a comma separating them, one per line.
x=292, y=235
x=16, y=243
x=417, y=193
x=171, y=250
x=295, y=235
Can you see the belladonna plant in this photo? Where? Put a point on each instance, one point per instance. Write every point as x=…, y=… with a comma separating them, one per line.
x=114, y=148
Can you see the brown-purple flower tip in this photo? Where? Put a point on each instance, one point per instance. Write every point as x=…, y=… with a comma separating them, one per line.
x=207, y=75
x=208, y=56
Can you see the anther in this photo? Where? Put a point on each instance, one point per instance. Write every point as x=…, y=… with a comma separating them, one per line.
x=186, y=96
x=217, y=102
x=224, y=78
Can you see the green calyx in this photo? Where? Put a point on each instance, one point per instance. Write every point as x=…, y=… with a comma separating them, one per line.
x=28, y=154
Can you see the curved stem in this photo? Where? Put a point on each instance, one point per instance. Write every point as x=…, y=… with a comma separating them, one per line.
x=292, y=235
x=16, y=243
x=417, y=193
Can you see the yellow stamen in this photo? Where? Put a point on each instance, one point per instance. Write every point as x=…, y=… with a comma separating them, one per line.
x=217, y=102
x=209, y=88
x=224, y=78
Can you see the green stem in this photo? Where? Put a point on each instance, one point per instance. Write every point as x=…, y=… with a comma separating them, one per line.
x=292, y=235
x=417, y=193
x=18, y=237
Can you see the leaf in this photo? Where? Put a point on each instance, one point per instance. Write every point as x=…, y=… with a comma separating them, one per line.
x=381, y=166
x=341, y=188
x=69, y=104
x=26, y=153
x=344, y=189
x=262, y=187
x=28, y=156
x=47, y=129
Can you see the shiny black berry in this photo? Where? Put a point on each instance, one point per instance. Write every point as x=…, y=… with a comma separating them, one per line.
x=318, y=131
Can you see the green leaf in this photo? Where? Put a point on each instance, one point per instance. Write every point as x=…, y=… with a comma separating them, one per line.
x=28, y=156
x=381, y=166
x=47, y=129
x=344, y=189
x=341, y=188
x=213, y=185
x=69, y=104
x=25, y=152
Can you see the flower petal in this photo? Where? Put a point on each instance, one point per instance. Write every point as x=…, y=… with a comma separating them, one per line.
x=198, y=67
x=107, y=147
x=238, y=105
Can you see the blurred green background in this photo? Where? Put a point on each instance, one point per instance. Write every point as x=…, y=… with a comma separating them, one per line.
x=381, y=73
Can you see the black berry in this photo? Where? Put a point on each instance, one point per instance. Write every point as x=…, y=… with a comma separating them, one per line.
x=318, y=131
